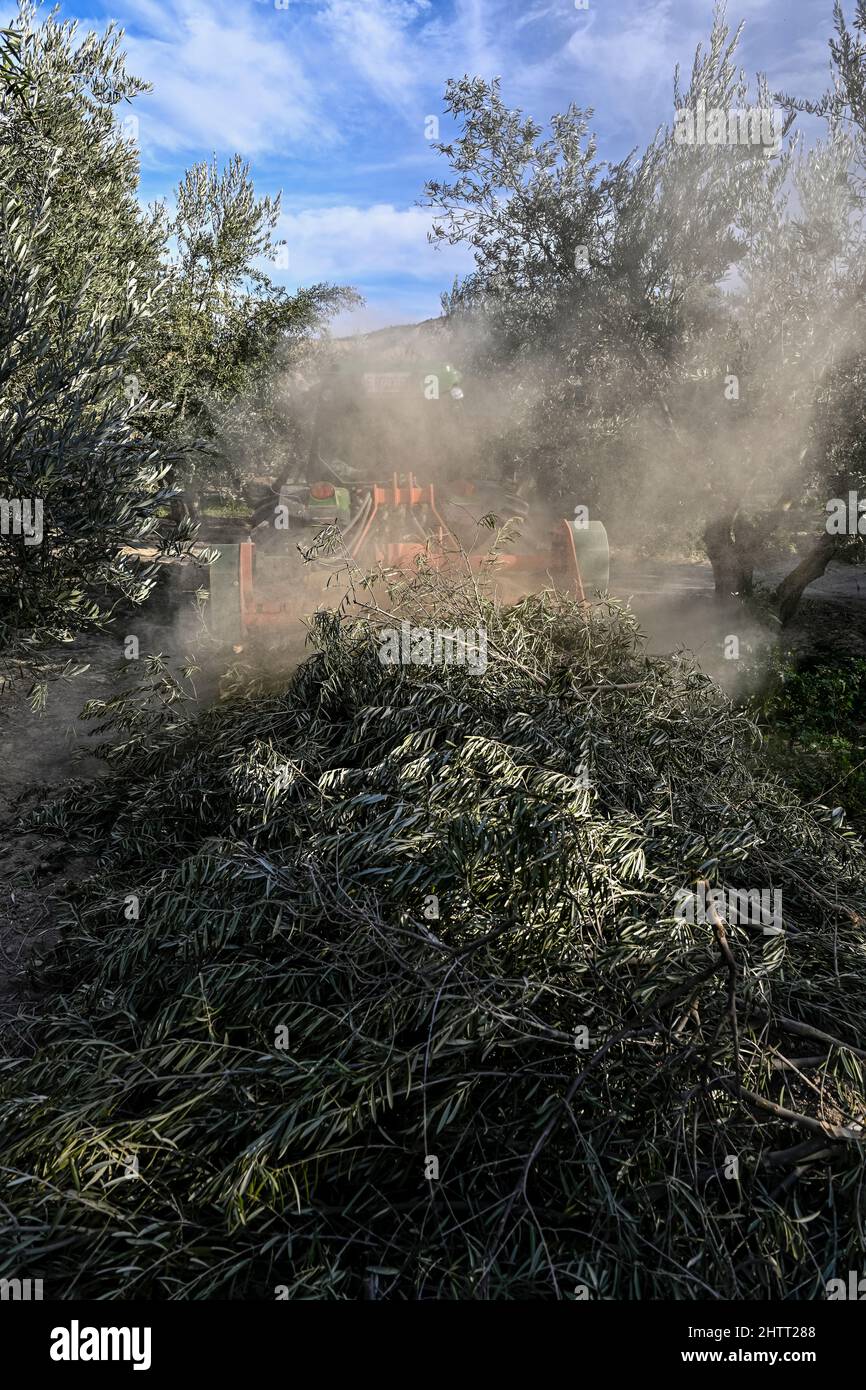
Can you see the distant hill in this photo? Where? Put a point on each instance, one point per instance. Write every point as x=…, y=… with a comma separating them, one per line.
x=405, y=342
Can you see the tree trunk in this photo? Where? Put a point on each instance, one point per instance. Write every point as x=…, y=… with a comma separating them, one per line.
x=730, y=549
x=788, y=594
x=183, y=507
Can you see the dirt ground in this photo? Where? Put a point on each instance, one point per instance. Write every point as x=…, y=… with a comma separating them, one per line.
x=41, y=754
x=676, y=607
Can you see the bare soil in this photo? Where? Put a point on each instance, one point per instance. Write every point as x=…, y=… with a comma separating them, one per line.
x=42, y=754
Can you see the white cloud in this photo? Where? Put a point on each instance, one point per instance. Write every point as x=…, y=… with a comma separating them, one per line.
x=224, y=78
x=372, y=37
x=353, y=245
x=244, y=75
x=638, y=50
x=476, y=22
x=804, y=68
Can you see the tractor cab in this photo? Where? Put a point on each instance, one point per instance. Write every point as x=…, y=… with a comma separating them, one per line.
x=370, y=417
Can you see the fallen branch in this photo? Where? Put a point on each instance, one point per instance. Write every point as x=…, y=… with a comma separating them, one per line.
x=822, y=1127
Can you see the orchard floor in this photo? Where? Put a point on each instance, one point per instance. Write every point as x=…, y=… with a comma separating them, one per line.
x=676, y=607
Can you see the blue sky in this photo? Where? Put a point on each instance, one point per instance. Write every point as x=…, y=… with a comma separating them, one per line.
x=328, y=100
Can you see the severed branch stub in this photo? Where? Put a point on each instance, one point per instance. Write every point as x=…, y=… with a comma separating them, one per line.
x=721, y=935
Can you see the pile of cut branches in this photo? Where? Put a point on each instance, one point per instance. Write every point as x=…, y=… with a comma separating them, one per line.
x=381, y=987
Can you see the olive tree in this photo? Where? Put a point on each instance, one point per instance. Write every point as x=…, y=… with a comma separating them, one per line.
x=639, y=306
x=229, y=329
x=80, y=477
